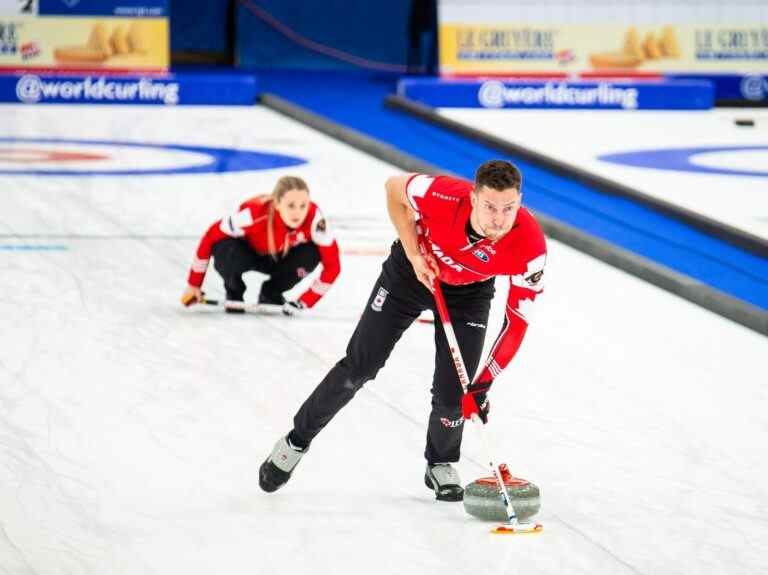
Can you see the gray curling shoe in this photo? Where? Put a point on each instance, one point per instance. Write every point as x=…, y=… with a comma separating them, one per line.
x=444, y=480
x=276, y=470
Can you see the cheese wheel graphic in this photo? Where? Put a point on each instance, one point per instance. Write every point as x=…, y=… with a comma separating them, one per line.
x=614, y=60
x=652, y=47
x=632, y=45
x=79, y=55
x=137, y=38
x=119, y=41
x=99, y=39
x=669, y=45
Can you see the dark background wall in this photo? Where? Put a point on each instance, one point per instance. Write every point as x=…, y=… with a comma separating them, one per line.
x=202, y=30
x=396, y=35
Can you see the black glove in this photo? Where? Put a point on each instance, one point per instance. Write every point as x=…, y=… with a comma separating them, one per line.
x=293, y=307
x=475, y=401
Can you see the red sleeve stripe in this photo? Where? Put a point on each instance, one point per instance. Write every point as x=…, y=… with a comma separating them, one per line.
x=494, y=368
x=199, y=266
x=319, y=287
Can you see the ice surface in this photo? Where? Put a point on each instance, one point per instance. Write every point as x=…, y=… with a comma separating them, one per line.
x=132, y=429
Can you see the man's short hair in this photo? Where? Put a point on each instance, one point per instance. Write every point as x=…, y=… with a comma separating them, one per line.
x=498, y=175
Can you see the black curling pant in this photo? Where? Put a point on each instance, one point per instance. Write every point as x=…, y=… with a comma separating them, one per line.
x=396, y=301
x=233, y=257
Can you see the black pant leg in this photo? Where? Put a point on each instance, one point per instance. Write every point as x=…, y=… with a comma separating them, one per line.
x=392, y=307
x=285, y=273
x=469, y=319
x=232, y=258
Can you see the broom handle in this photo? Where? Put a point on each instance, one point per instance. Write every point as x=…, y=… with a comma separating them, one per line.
x=461, y=370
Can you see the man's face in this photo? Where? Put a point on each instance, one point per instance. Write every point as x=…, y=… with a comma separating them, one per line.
x=494, y=211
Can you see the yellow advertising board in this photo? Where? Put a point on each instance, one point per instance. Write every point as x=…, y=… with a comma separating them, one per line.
x=97, y=44
x=497, y=49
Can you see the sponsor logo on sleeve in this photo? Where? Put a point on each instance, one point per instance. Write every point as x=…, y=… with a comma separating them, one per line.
x=533, y=276
x=534, y=279
x=445, y=197
x=321, y=231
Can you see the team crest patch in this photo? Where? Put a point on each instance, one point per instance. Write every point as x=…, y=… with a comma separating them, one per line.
x=379, y=300
x=481, y=255
x=321, y=225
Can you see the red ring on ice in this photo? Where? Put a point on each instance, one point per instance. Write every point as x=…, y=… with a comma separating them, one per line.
x=31, y=155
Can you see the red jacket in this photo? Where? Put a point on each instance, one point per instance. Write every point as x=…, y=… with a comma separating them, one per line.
x=443, y=205
x=250, y=223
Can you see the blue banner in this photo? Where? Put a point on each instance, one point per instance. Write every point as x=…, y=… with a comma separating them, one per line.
x=591, y=95
x=123, y=8
x=744, y=87
x=172, y=90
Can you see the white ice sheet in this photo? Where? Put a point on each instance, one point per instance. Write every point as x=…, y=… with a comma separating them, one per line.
x=131, y=429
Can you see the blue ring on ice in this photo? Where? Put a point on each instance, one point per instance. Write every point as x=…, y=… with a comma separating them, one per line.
x=221, y=160
x=679, y=159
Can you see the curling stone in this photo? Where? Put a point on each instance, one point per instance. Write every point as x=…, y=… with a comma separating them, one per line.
x=482, y=498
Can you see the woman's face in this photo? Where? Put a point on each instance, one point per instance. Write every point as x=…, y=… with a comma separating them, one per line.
x=293, y=207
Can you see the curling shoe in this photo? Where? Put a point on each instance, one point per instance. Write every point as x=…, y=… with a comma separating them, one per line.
x=444, y=480
x=276, y=470
x=234, y=301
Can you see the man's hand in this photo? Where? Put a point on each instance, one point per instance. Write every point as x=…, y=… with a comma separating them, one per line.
x=475, y=401
x=425, y=268
x=191, y=295
x=403, y=217
x=293, y=307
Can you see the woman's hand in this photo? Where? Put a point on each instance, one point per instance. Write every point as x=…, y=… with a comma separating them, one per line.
x=191, y=295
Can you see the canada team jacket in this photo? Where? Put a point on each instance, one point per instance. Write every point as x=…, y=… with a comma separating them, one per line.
x=250, y=223
x=443, y=207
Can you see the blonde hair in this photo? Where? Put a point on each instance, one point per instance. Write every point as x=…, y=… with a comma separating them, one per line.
x=282, y=187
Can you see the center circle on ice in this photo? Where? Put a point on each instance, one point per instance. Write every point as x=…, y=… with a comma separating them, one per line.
x=722, y=160
x=65, y=157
